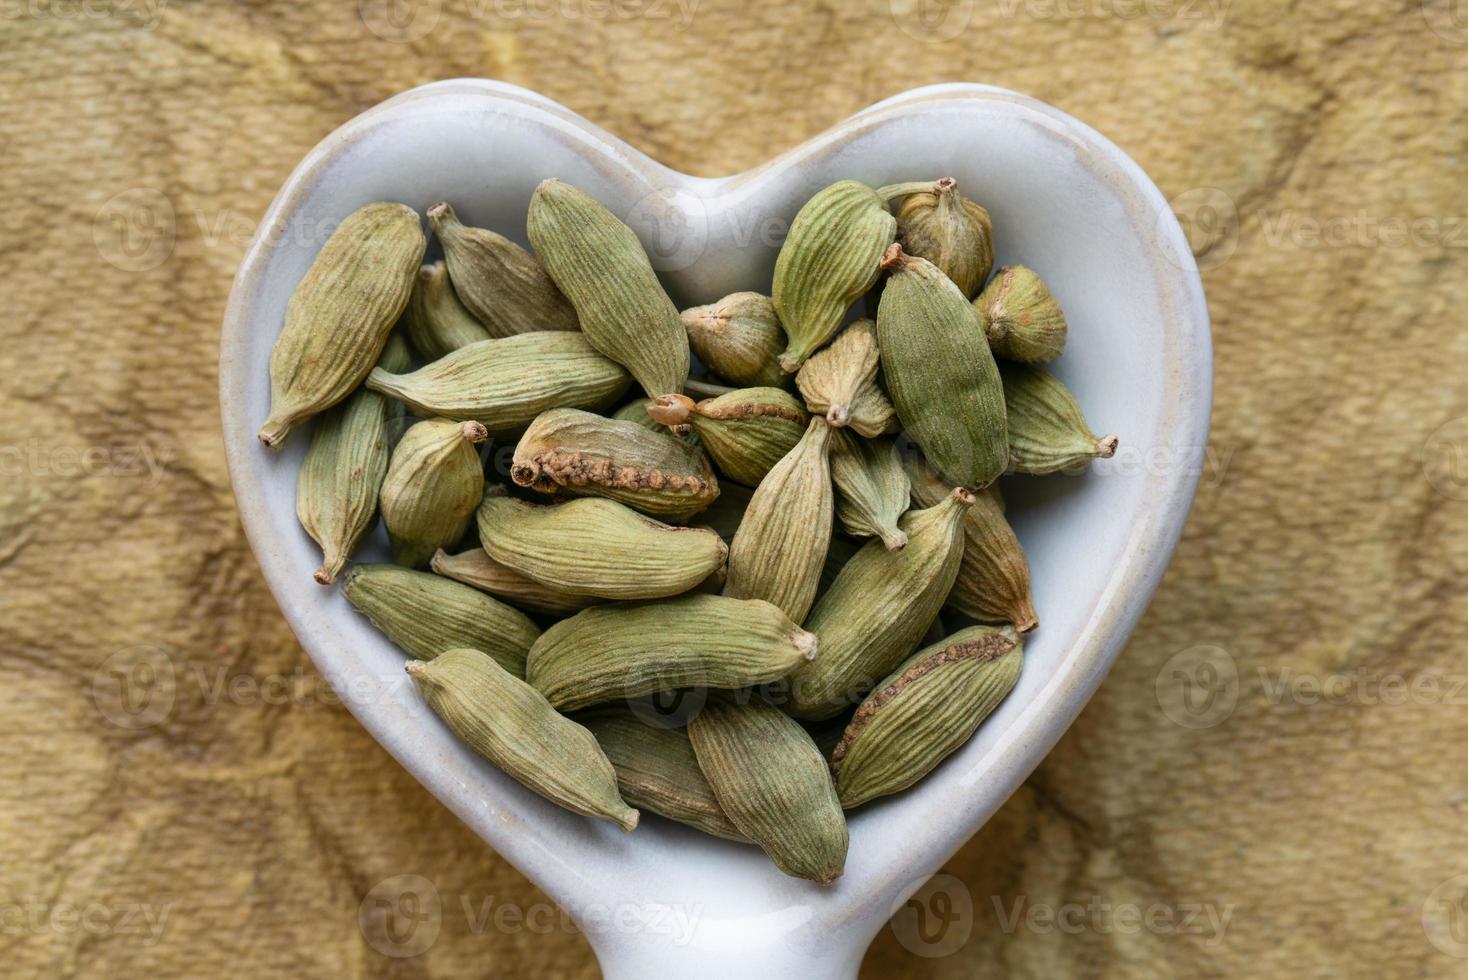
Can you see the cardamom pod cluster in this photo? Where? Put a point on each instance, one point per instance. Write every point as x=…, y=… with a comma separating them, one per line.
x=825, y=580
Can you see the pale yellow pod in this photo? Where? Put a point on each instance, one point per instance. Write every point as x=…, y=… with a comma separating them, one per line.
x=601, y=266
x=509, y=723
x=588, y=455
x=840, y=382
x=474, y=567
x=772, y=781
x=954, y=233
x=340, y=313
x=780, y=547
x=434, y=483
x=499, y=282
x=596, y=547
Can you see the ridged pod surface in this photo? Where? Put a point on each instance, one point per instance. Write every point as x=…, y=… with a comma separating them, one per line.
x=504, y=384
x=954, y=233
x=828, y=260
x=923, y=711
x=340, y=313
x=474, y=567
x=601, y=266
x=1022, y=320
x=435, y=321
x=739, y=338
x=594, y=547
x=872, y=492
x=1047, y=431
x=773, y=783
x=878, y=608
x=510, y=724
x=426, y=614
x=609, y=653
x=746, y=431
x=939, y=372
x=434, y=482
x=499, y=282
x=840, y=382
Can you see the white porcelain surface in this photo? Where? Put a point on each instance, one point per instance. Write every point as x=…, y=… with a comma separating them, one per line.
x=1065, y=201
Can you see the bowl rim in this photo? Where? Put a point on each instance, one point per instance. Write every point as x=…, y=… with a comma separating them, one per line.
x=1188, y=364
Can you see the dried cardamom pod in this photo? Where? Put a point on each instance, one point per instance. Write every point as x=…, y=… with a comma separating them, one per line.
x=746, y=432
x=993, y=584
x=923, y=711
x=585, y=454
x=939, y=371
x=426, y=615
x=610, y=653
x=840, y=382
x=1022, y=320
x=499, y=282
x=595, y=547
x=434, y=482
x=878, y=608
x=435, y=320
x=657, y=770
x=510, y=724
x=1047, y=431
x=637, y=411
x=339, y=316
x=780, y=547
x=504, y=384
x=337, y=487
x=946, y=228
x=773, y=783
x=739, y=338
x=475, y=567
x=872, y=492
x=829, y=259
x=601, y=266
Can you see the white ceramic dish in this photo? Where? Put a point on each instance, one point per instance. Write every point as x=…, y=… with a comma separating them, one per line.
x=1064, y=200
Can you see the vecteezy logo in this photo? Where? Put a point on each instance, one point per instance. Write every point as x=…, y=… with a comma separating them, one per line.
x=673, y=225
x=399, y=21
x=1448, y=19
x=937, y=920
x=1199, y=687
x=1210, y=221
x=1445, y=458
x=401, y=916
x=135, y=230
x=1445, y=916
x=932, y=20
x=135, y=687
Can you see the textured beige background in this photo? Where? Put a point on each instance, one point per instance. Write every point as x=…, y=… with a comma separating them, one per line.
x=1317, y=152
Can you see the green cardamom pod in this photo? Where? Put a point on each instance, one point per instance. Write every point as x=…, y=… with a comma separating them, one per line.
x=746, y=431
x=435, y=320
x=341, y=476
x=425, y=615
x=829, y=259
x=1047, y=432
x=600, y=264
x=840, y=382
x=872, y=492
x=657, y=770
x=510, y=724
x=475, y=567
x=780, y=547
x=595, y=547
x=1022, y=320
x=585, y=454
x=504, y=384
x=499, y=282
x=773, y=783
x=434, y=482
x=339, y=316
x=739, y=338
x=923, y=711
x=939, y=224
x=993, y=584
x=878, y=608
x=939, y=372
x=610, y=653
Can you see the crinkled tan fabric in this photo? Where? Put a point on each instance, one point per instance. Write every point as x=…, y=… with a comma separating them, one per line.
x=240, y=834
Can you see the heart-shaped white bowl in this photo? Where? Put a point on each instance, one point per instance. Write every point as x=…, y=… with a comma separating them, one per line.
x=666, y=901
